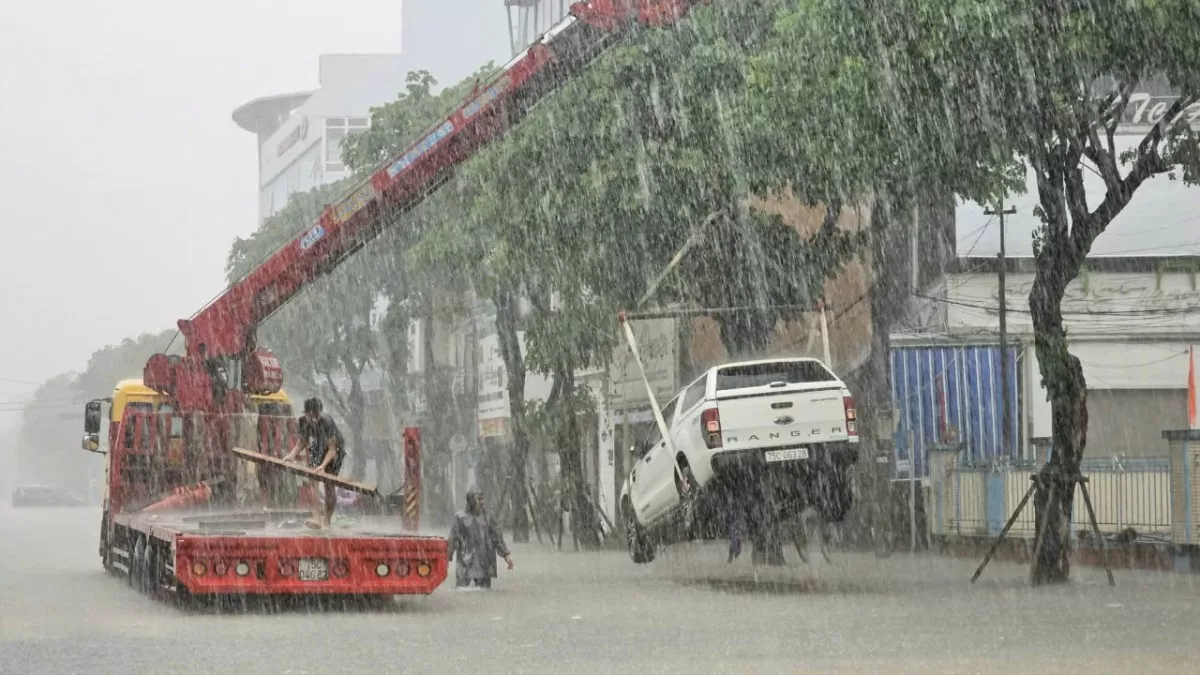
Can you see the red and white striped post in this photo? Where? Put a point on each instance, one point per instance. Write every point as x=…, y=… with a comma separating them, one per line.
x=411, y=515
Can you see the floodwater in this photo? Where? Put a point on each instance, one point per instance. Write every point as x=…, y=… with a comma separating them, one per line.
x=598, y=613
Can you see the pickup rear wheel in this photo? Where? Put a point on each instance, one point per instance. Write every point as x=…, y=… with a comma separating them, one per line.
x=641, y=550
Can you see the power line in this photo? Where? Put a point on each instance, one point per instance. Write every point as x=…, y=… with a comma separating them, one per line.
x=1114, y=254
x=1159, y=311
x=982, y=230
x=35, y=384
x=1123, y=366
x=74, y=399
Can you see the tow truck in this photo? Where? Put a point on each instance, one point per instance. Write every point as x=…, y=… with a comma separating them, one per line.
x=176, y=518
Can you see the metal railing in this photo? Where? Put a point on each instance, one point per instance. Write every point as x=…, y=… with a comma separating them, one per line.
x=1126, y=493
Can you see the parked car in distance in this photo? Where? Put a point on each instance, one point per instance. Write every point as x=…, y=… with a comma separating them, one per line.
x=26, y=496
x=783, y=429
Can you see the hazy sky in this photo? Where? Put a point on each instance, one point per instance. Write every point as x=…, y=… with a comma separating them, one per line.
x=124, y=179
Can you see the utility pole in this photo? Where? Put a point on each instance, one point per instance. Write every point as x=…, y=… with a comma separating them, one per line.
x=1002, y=258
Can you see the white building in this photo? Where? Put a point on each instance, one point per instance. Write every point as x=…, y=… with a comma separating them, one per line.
x=530, y=19
x=300, y=134
x=1131, y=315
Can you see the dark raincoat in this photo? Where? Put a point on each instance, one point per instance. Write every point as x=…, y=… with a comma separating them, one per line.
x=475, y=542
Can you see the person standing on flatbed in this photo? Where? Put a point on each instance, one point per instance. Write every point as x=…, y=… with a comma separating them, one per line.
x=326, y=447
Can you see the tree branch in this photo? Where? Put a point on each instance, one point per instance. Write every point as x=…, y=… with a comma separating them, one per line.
x=1114, y=113
x=1050, y=195
x=1155, y=136
x=1105, y=160
x=1149, y=162
x=337, y=396
x=833, y=212
x=1072, y=154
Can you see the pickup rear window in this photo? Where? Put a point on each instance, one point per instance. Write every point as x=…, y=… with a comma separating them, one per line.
x=762, y=374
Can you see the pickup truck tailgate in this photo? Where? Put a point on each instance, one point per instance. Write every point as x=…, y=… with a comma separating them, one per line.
x=781, y=413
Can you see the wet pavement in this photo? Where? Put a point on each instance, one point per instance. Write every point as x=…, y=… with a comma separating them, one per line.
x=575, y=613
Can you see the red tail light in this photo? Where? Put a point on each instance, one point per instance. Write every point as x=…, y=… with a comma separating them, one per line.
x=851, y=415
x=710, y=427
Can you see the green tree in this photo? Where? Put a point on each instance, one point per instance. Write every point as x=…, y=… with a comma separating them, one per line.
x=1056, y=89
x=48, y=441
x=51, y=426
x=1046, y=83
x=124, y=361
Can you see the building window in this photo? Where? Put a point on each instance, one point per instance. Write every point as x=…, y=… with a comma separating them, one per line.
x=336, y=130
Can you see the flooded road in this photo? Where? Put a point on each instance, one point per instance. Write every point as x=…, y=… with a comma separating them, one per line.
x=576, y=613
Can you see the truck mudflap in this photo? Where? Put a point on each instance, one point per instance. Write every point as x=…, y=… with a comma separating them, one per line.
x=366, y=565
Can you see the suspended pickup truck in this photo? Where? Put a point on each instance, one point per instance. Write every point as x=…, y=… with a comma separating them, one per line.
x=782, y=430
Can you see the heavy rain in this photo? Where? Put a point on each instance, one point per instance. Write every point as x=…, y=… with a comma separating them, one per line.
x=665, y=336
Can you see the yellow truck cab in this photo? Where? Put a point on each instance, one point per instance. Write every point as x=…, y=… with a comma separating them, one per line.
x=134, y=394
x=276, y=426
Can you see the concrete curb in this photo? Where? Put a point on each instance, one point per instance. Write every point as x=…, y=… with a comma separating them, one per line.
x=1128, y=556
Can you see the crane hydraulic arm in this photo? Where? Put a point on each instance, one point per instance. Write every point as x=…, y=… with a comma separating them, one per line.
x=222, y=359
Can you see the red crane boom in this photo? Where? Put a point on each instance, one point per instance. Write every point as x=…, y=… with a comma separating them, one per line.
x=222, y=358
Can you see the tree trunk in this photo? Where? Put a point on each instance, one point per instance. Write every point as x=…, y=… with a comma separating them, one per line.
x=435, y=439
x=358, y=413
x=514, y=366
x=888, y=298
x=1063, y=377
x=353, y=410
x=584, y=521
x=395, y=347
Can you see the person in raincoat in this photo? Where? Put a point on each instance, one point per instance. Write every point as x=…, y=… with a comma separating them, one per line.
x=475, y=542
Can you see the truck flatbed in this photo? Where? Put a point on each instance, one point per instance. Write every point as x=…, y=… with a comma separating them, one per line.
x=224, y=551
x=265, y=523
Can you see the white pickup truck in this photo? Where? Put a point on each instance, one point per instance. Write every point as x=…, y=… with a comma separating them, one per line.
x=784, y=429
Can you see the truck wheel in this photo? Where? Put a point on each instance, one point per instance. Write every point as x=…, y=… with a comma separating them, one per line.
x=105, y=548
x=132, y=578
x=139, y=566
x=640, y=548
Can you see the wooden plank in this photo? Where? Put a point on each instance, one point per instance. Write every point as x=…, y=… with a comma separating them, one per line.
x=305, y=471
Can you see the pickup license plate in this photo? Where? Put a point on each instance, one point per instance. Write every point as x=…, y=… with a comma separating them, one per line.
x=787, y=455
x=314, y=569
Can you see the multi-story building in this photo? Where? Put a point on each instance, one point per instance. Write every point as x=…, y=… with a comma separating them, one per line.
x=300, y=134
x=1131, y=316
x=529, y=19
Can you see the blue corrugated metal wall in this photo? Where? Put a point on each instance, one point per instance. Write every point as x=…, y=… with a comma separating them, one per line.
x=959, y=386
